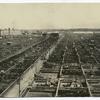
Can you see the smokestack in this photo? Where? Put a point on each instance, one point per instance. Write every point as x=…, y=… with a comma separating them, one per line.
x=0, y=32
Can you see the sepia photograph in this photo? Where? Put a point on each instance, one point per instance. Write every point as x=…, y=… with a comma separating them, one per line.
x=49, y=50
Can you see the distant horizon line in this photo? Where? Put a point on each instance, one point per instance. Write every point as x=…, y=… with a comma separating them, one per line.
x=47, y=28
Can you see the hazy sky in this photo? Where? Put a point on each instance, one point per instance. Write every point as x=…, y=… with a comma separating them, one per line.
x=35, y=16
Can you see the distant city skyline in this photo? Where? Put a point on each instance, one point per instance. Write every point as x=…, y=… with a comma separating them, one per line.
x=50, y=16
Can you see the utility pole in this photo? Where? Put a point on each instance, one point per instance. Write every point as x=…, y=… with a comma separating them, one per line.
x=19, y=86
x=9, y=31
